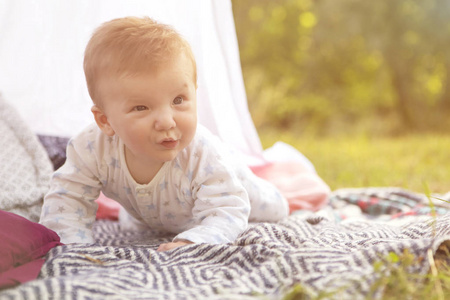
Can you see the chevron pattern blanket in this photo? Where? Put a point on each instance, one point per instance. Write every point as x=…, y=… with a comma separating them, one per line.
x=333, y=250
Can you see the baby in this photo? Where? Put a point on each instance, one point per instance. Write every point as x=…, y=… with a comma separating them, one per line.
x=146, y=150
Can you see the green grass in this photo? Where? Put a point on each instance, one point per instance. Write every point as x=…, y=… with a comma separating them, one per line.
x=406, y=162
x=418, y=163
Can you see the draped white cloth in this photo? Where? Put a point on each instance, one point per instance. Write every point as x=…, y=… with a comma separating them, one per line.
x=41, y=53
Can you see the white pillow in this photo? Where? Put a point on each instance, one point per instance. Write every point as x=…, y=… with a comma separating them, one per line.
x=25, y=170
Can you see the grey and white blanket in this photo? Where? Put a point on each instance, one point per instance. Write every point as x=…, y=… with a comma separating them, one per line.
x=319, y=251
x=25, y=168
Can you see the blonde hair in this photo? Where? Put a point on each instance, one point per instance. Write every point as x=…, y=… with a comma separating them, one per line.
x=129, y=46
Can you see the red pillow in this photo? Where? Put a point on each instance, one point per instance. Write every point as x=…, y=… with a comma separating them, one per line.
x=22, y=246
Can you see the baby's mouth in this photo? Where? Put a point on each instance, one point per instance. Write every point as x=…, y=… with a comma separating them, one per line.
x=169, y=143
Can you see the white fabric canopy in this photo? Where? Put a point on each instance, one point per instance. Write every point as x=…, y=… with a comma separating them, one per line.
x=41, y=53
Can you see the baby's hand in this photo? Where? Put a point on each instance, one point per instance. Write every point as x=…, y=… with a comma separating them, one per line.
x=173, y=245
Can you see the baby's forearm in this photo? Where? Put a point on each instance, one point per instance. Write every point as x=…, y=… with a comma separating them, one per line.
x=70, y=217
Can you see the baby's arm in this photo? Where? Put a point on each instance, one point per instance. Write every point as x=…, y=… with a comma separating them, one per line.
x=221, y=209
x=220, y=203
x=69, y=207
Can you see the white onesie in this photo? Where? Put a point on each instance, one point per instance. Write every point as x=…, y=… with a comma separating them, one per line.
x=205, y=195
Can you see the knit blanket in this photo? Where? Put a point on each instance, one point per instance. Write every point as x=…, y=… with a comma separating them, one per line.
x=337, y=250
x=25, y=166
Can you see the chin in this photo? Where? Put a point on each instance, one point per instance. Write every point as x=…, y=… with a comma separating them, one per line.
x=170, y=156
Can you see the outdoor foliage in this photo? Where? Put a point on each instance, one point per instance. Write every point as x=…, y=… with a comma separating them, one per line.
x=346, y=76
x=330, y=67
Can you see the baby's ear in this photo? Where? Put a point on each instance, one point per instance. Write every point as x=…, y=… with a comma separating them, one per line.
x=102, y=121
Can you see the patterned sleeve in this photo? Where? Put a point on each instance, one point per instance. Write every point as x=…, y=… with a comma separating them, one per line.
x=221, y=205
x=69, y=207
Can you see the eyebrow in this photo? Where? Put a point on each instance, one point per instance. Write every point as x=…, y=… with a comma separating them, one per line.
x=184, y=86
x=135, y=99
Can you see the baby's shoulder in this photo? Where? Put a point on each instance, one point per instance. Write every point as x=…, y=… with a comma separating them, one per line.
x=88, y=132
x=92, y=141
x=204, y=143
x=206, y=148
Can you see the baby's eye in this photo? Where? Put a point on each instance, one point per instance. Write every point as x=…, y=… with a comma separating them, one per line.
x=140, y=108
x=178, y=100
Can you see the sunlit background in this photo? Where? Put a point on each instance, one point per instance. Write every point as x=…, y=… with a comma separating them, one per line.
x=361, y=87
x=334, y=66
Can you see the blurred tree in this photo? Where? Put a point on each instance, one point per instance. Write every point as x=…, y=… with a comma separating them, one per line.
x=330, y=66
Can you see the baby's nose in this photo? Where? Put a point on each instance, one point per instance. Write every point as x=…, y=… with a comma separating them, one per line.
x=164, y=120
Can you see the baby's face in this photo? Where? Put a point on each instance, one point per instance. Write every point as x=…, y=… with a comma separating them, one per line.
x=155, y=113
